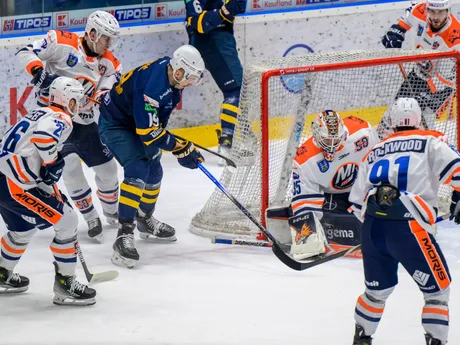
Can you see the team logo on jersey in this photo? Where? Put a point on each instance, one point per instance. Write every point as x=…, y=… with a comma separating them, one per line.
x=454, y=36
x=323, y=165
x=435, y=45
x=420, y=30
x=72, y=60
x=102, y=69
x=151, y=101
x=345, y=176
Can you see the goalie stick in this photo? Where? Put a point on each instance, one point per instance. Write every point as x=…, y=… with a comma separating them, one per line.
x=94, y=277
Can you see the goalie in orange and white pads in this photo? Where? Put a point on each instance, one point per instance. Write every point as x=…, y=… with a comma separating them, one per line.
x=324, y=170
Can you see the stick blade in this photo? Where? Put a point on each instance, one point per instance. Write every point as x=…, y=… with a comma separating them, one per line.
x=103, y=276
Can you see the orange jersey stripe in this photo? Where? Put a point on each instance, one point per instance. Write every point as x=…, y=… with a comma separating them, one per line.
x=452, y=175
x=426, y=208
x=306, y=151
x=32, y=65
x=12, y=250
x=354, y=124
x=18, y=169
x=368, y=307
x=67, y=38
x=301, y=203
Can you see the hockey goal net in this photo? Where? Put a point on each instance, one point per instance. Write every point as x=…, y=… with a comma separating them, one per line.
x=279, y=100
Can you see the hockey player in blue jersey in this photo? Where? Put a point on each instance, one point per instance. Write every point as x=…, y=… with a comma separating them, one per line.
x=210, y=30
x=133, y=121
x=395, y=196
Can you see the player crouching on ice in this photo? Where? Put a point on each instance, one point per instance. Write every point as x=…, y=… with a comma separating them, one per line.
x=395, y=195
x=324, y=170
x=133, y=121
x=30, y=167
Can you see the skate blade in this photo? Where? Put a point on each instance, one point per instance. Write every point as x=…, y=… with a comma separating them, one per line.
x=6, y=289
x=111, y=221
x=118, y=260
x=98, y=238
x=155, y=239
x=67, y=300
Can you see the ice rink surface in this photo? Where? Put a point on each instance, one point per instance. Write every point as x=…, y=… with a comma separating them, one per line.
x=193, y=292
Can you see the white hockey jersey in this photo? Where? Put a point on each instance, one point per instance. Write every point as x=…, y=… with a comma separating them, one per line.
x=32, y=142
x=446, y=39
x=313, y=175
x=417, y=162
x=65, y=56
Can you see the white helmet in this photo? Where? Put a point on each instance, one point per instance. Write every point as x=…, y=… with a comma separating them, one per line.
x=189, y=59
x=438, y=4
x=329, y=132
x=63, y=90
x=104, y=24
x=405, y=112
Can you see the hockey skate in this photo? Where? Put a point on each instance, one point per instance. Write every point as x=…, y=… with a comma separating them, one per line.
x=124, y=252
x=69, y=291
x=12, y=282
x=111, y=218
x=95, y=229
x=432, y=341
x=225, y=145
x=152, y=229
x=360, y=338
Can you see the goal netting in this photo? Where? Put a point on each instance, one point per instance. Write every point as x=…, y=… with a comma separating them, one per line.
x=279, y=100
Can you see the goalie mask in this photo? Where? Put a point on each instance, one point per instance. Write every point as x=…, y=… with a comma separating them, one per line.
x=63, y=90
x=329, y=132
x=405, y=112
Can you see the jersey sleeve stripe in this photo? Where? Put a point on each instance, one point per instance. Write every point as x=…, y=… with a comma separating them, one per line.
x=404, y=25
x=33, y=64
x=13, y=170
x=447, y=169
x=29, y=171
x=145, y=131
x=42, y=141
x=200, y=22
x=308, y=196
x=426, y=208
x=155, y=139
x=46, y=134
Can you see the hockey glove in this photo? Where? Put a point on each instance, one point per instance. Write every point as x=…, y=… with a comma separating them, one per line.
x=51, y=173
x=226, y=15
x=43, y=79
x=188, y=156
x=454, y=211
x=394, y=37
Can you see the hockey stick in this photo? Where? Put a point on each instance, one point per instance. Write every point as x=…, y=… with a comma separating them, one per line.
x=94, y=277
x=227, y=160
x=251, y=243
x=276, y=247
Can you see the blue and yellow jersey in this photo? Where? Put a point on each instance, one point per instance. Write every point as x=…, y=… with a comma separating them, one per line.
x=143, y=100
x=203, y=16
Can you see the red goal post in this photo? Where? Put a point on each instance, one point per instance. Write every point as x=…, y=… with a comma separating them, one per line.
x=279, y=99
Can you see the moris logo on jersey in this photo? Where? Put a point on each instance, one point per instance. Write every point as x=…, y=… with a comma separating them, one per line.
x=132, y=14
x=345, y=176
x=26, y=23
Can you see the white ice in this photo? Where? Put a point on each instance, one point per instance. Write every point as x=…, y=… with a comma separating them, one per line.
x=195, y=292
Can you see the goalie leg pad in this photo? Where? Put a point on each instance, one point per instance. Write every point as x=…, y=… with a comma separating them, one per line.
x=307, y=236
x=277, y=223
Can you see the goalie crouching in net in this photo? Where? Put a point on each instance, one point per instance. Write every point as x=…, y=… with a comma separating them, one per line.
x=324, y=170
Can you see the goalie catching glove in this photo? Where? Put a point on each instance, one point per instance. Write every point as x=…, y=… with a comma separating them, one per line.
x=187, y=155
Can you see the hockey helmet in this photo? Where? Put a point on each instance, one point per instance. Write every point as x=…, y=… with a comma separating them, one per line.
x=328, y=131
x=405, y=112
x=63, y=90
x=104, y=24
x=189, y=59
x=438, y=5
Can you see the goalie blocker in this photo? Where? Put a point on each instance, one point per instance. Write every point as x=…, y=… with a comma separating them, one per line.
x=337, y=230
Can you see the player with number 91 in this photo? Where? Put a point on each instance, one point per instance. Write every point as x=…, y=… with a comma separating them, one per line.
x=395, y=196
